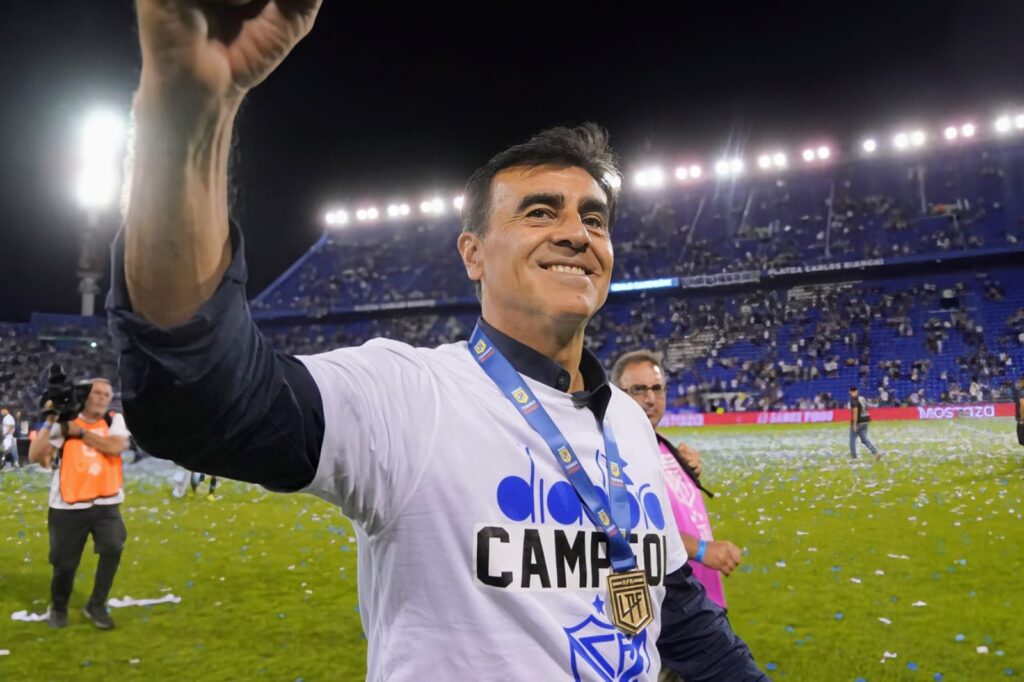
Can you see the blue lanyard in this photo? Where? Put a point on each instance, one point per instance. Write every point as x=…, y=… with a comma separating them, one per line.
x=501, y=371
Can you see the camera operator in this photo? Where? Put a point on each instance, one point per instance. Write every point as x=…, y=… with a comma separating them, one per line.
x=85, y=496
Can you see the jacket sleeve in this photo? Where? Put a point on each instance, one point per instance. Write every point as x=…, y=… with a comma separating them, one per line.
x=696, y=639
x=211, y=394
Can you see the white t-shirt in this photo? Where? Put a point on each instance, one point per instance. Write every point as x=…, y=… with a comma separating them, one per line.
x=117, y=428
x=476, y=561
x=8, y=432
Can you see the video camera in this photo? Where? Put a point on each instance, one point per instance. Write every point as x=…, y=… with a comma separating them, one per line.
x=66, y=397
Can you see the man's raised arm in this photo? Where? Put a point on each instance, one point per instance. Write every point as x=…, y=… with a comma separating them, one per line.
x=199, y=59
x=199, y=383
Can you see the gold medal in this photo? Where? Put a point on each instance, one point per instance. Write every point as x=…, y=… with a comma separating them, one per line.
x=630, y=599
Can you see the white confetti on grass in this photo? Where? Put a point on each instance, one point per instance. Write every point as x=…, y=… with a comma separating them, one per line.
x=131, y=601
x=26, y=617
x=898, y=556
x=919, y=603
x=885, y=621
x=982, y=649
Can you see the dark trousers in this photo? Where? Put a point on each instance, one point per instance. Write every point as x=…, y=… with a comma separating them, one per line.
x=1020, y=432
x=69, y=529
x=697, y=642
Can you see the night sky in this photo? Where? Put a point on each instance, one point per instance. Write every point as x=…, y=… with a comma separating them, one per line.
x=389, y=99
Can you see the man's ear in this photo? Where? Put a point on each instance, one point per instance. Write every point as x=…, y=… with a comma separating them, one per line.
x=471, y=248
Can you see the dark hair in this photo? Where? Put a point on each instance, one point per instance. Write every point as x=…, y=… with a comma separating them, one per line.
x=584, y=146
x=633, y=358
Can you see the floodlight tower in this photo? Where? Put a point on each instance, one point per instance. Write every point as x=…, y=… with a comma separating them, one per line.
x=100, y=147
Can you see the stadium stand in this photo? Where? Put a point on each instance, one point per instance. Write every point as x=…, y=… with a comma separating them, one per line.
x=900, y=275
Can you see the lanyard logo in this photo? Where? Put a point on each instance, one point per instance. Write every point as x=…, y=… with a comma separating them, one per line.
x=614, y=468
x=520, y=396
x=480, y=347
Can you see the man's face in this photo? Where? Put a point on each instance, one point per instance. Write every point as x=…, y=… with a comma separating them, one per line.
x=547, y=253
x=99, y=398
x=645, y=375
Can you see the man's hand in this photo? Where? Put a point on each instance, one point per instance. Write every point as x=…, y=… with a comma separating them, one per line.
x=691, y=457
x=72, y=430
x=722, y=555
x=217, y=49
x=199, y=58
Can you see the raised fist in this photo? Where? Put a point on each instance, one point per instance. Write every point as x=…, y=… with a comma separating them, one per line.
x=194, y=51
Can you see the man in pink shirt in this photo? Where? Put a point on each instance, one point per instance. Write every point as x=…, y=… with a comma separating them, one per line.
x=640, y=375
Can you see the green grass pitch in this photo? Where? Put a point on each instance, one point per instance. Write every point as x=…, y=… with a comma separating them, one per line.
x=907, y=569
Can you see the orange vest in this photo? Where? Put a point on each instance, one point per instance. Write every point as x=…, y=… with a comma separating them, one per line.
x=87, y=473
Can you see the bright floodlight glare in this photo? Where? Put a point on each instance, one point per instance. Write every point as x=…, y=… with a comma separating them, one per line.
x=341, y=217
x=808, y=155
x=824, y=152
x=457, y=202
x=902, y=141
x=329, y=218
x=682, y=173
x=779, y=160
x=102, y=140
x=1018, y=121
x=722, y=166
x=361, y=215
x=696, y=172
x=967, y=130
x=1003, y=124
x=869, y=145
x=102, y=137
x=917, y=138
x=393, y=211
x=951, y=133
x=650, y=178
x=96, y=187
x=426, y=207
x=736, y=166
x=372, y=214
x=437, y=205
x=764, y=161
x=403, y=209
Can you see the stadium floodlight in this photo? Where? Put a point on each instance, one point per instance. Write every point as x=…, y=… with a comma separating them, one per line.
x=361, y=215
x=736, y=166
x=808, y=155
x=650, y=178
x=696, y=171
x=336, y=218
x=393, y=211
x=403, y=209
x=1018, y=121
x=967, y=130
x=901, y=140
x=102, y=140
x=437, y=205
x=426, y=207
x=682, y=173
x=951, y=133
x=458, y=201
x=823, y=153
x=779, y=160
x=722, y=167
x=917, y=138
x=869, y=145
x=764, y=161
x=1003, y=124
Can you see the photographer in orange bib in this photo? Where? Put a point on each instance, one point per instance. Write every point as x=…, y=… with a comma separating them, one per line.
x=85, y=496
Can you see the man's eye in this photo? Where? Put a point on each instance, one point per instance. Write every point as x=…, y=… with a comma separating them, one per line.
x=539, y=213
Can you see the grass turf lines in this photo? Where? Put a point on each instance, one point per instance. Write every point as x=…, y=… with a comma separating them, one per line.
x=901, y=570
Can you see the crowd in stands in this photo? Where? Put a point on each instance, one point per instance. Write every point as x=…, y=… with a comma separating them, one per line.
x=950, y=337
x=856, y=211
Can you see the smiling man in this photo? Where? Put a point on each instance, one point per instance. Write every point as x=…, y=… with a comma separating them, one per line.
x=508, y=502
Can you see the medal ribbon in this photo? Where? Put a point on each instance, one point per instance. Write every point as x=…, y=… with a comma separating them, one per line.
x=501, y=371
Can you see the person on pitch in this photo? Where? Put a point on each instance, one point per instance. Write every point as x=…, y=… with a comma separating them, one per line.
x=508, y=502
x=85, y=499
x=860, y=418
x=640, y=375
